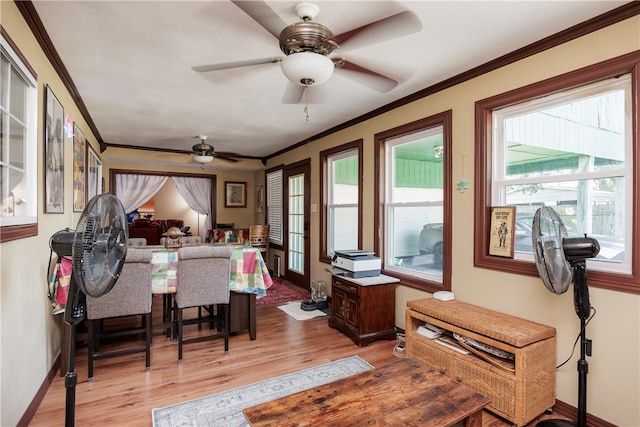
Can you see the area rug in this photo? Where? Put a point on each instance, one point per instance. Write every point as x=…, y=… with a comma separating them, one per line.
x=282, y=292
x=225, y=408
x=293, y=309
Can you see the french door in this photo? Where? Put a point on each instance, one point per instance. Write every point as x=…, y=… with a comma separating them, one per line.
x=297, y=208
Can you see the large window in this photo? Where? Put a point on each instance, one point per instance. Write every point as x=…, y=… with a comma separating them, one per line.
x=415, y=208
x=341, y=199
x=567, y=144
x=18, y=146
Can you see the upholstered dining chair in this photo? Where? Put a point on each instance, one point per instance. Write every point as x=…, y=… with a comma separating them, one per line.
x=130, y=296
x=203, y=280
x=186, y=240
x=136, y=241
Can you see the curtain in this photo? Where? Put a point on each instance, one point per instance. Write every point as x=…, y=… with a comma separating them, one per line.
x=197, y=193
x=135, y=190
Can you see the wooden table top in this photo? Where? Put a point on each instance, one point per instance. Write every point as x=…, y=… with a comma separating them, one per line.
x=400, y=393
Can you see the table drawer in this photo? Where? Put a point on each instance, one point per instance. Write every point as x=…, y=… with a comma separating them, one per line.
x=347, y=287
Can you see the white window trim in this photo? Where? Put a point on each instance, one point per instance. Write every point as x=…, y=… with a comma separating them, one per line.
x=331, y=159
x=30, y=141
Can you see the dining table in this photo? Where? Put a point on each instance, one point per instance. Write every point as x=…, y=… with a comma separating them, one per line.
x=249, y=279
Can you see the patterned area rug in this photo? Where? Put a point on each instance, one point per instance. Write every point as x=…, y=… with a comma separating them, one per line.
x=225, y=409
x=282, y=292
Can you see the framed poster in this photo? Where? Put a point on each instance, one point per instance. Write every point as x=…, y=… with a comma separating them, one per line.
x=94, y=173
x=235, y=194
x=502, y=234
x=260, y=199
x=79, y=147
x=53, y=154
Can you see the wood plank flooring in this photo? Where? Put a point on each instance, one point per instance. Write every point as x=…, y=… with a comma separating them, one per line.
x=123, y=393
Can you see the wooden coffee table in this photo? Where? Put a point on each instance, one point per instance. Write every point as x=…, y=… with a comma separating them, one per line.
x=402, y=393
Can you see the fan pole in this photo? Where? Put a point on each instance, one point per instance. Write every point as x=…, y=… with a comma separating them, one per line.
x=70, y=381
x=583, y=369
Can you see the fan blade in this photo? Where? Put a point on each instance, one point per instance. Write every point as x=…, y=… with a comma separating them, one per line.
x=224, y=155
x=236, y=64
x=368, y=77
x=394, y=26
x=260, y=12
x=293, y=93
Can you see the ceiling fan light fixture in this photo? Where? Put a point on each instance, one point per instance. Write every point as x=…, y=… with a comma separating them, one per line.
x=307, y=68
x=202, y=158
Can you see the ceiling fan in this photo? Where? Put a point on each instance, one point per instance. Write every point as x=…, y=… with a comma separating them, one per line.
x=204, y=153
x=307, y=46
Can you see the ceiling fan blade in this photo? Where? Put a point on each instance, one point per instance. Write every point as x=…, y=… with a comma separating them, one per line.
x=236, y=64
x=260, y=12
x=394, y=26
x=230, y=157
x=367, y=77
x=293, y=93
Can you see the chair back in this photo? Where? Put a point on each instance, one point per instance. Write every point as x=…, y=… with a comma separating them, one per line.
x=136, y=241
x=187, y=240
x=203, y=275
x=131, y=294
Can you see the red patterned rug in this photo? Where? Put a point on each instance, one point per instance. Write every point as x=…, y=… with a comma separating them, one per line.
x=282, y=291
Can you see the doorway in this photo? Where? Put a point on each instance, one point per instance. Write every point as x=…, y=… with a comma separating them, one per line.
x=297, y=209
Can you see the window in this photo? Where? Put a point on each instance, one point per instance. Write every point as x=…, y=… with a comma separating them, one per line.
x=18, y=146
x=416, y=205
x=566, y=143
x=275, y=206
x=341, y=196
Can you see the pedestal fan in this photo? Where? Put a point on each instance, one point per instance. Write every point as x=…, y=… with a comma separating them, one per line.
x=98, y=248
x=559, y=259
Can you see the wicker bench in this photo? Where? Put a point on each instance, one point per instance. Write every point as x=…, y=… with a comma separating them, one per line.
x=519, y=389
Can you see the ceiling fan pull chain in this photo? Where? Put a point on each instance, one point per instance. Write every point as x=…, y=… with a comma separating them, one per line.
x=306, y=102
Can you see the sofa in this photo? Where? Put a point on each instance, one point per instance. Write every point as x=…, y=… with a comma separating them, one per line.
x=152, y=230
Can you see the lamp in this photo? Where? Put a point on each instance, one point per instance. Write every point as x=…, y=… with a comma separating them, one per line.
x=307, y=68
x=202, y=159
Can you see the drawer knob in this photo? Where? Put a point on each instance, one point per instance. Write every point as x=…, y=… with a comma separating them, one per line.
x=443, y=371
x=459, y=378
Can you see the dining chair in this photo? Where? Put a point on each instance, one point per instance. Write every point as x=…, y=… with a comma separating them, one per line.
x=136, y=241
x=203, y=280
x=186, y=240
x=130, y=296
x=259, y=238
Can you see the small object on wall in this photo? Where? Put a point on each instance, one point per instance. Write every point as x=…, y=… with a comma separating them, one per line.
x=502, y=231
x=462, y=185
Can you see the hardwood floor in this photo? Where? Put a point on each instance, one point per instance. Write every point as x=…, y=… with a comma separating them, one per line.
x=123, y=394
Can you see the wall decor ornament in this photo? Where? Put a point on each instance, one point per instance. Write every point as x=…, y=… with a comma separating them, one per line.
x=235, y=194
x=502, y=231
x=53, y=154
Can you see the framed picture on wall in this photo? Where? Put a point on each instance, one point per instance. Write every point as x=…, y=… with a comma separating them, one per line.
x=502, y=231
x=53, y=155
x=260, y=199
x=94, y=173
x=79, y=147
x=235, y=194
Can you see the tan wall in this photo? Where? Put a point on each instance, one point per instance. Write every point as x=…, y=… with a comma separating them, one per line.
x=31, y=335
x=614, y=371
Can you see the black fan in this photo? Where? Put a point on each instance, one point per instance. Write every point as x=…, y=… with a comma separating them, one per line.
x=307, y=46
x=559, y=259
x=98, y=248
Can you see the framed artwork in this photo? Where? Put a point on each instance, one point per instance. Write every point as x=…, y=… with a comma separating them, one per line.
x=53, y=154
x=235, y=194
x=260, y=199
x=94, y=173
x=79, y=147
x=502, y=233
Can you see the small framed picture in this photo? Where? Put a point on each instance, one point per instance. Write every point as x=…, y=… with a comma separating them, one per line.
x=79, y=149
x=502, y=231
x=260, y=199
x=93, y=172
x=235, y=194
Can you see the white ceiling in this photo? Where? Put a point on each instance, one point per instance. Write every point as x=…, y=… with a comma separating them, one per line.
x=131, y=63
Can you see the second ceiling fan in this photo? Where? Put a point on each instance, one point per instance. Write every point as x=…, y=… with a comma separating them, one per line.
x=204, y=153
x=308, y=47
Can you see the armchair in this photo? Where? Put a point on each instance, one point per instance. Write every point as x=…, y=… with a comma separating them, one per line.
x=203, y=273
x=130, y=296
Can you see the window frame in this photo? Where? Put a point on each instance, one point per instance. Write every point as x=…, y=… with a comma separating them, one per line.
x=26, y=226
x=625, y=64
x=325, y=156
x=443, y=119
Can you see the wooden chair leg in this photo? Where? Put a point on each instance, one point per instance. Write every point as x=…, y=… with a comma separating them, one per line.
x=148, y=338
x=179, y=314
